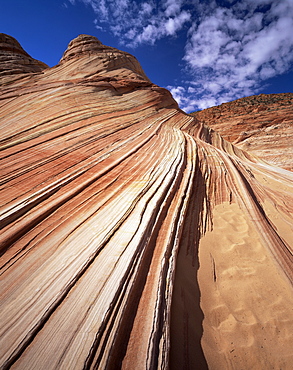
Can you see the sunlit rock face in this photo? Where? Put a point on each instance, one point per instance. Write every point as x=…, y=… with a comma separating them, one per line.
x=132, y=235
x=261, y=124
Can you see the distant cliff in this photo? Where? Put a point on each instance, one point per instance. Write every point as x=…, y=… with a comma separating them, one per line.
x=261, y=124
x=132, y=235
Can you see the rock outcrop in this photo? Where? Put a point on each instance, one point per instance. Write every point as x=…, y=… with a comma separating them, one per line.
x=132, y=235
x=14, y=60
x=261, y=124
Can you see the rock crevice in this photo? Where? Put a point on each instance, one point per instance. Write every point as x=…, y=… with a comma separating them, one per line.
x=132, y=234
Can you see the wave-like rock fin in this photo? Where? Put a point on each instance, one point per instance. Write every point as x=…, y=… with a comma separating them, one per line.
x=132, y=235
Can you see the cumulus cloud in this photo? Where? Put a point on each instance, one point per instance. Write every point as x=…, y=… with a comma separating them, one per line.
x=172, y=25
x=139, y=22
x=233, y=50
x=190, y=100
x=231, y=47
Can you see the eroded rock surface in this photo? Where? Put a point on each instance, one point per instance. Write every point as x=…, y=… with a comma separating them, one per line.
x=133, y=236
x=261, y=124
x=14, y=60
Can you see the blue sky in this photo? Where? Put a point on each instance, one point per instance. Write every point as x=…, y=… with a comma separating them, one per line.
x=205, y=52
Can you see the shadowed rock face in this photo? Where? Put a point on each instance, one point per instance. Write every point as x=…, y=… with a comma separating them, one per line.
x=14, y=60
x=261, y=124
x=133, y=236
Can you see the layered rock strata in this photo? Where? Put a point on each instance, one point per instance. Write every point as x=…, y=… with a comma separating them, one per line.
x=261, y=124
x=133, y=236
x=14, y=60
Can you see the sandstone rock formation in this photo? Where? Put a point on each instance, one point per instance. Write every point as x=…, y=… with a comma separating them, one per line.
x=132, y=235
x=261, y=124
x=14, y=60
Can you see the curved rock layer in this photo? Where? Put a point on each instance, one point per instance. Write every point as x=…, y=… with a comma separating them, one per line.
x=14, y=60
x=133, y=236
x=261, y=124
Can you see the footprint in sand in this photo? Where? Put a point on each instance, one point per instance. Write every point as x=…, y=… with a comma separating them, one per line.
x=245, y=316
x=232, y=246
x=237, y=222
x=238, y=272
x=247, y=247
x=218, y=314
x=229, y=330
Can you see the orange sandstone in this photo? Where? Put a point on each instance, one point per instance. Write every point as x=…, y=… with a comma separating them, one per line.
x=132, y=235
x=261, y=124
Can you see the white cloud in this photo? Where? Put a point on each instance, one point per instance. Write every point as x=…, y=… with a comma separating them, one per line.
x=139, y=22
x=149, y=34
x=103, y=9
x=172, y=7
x=187, y=100
x=146, y=8
x=230, y=54
x=172, y=25
x=178, y=93
x=229, y=50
